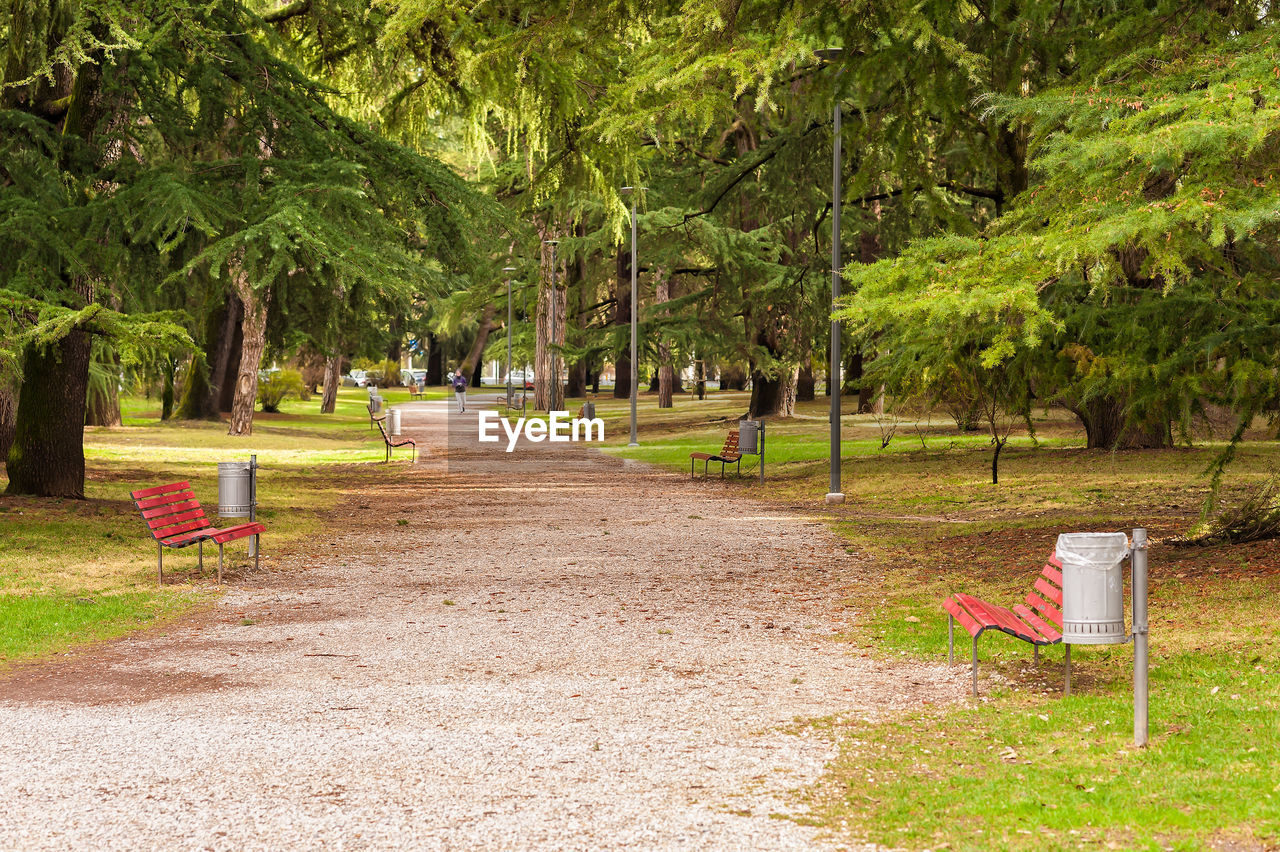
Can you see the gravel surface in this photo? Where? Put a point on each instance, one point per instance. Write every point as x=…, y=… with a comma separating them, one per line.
x=559, y=651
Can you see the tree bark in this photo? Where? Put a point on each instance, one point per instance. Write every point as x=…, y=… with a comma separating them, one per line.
x=46, y=458
x=103, y=405
x=622, y=317
x=733, y=378
x=471, y=363
x=253, y=334
x=8, y=417
x=1106, y=428
x=548, y=390
x=774, y=396
x=806, y=387
x=332, y=378
x=666, y=373
x=435, y=362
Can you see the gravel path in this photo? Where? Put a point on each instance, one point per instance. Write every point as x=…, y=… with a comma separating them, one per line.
x=559, y=651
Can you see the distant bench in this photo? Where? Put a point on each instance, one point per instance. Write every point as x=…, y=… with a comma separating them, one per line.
x=728, y=455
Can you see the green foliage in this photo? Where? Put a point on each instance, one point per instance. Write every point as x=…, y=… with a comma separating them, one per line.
x=276, y=385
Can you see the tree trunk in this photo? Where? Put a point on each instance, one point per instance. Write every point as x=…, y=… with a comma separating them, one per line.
x=8, y=416
x=622, y=317
x=332, y=378
x=394, y=350
x=1105, y=427
x=435, y=362
x=774, y=396
x=471, y=364
x=226, y=358
x=548, y=391
x=733, y=378
x=46, y=458
x=806, y=387
x=170, y=370
x=102, y=407
x=254, y=339
x=666, y=374
x=700, y=378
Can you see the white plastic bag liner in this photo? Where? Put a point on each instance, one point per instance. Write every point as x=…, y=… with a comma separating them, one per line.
x=1092, y=587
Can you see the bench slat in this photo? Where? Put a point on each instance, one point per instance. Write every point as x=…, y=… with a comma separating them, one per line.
x=170, y=509
x=223, y=536
x=961, y=615
x=1048, y=591
x=159, y=489
x=999, y=617
x=164, y=500
x=160, y=524
x=1047, y=631
x=166, y=534
x=1046, y=609
x=1053, y=575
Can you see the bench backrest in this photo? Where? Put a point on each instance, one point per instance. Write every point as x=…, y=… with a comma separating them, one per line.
x=382, y=427
x=170, y=510
x=1048, y=602
x=413, y=388
x=730, y=449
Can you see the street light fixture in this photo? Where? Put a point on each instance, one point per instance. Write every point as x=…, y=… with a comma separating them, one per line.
x=633, y=191
x=551, y=338
x=510, y=330
x=829, y=56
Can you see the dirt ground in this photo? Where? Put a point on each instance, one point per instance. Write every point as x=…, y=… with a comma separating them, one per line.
x=545, y=649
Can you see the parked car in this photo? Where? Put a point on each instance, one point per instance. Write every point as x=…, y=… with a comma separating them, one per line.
x=519, y=376
x=417, y=377
x=356, y=379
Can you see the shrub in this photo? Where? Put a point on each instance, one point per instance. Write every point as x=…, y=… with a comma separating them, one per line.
x=274, y=387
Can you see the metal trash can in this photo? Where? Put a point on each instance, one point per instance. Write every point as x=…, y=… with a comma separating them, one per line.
x=1092, y=587
x=588, y=410
x=748, y=437
x=235, y=489
x=376, y=401
x=393, y=422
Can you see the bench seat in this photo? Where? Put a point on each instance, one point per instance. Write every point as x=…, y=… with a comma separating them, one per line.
x=1037, y=620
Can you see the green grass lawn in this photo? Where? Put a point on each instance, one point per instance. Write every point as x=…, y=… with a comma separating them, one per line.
x=1023, y=767
x=79, y=570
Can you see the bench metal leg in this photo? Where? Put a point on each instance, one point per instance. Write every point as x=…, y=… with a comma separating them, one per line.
x=1066, y=686
x=159, y=563
x=200, y=550
x=691, y=463
x=951, y=639
x=975, y=667
x=220, y=566
x=257, y=549
x=1037, y=655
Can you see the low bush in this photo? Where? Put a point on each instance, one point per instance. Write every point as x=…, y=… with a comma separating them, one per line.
x=275, y=387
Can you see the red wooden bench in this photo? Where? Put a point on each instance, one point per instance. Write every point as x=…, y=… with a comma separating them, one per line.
x=176, y=519
x=1038, y=620
x=728, y=455
x=386, y=439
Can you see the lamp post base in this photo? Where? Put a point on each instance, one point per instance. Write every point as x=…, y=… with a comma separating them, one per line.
x=835, y=498
x=633, y=444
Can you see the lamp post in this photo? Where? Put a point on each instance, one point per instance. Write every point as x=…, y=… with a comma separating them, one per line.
x=635, y=376
x=510, y=329
x=835, y=495
x=551, y=336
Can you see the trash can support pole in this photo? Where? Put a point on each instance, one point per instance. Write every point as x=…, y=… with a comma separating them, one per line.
x=1138, y=566
x=1066, y=686
x=761, y=452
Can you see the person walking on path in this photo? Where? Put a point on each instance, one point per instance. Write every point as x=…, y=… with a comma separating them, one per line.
x=460, y=389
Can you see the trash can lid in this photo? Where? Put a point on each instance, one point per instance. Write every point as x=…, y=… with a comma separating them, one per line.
x=1101, y=549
